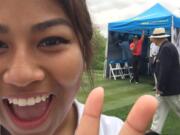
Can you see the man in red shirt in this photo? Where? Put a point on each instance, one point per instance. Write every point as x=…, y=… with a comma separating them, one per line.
x=136, y=48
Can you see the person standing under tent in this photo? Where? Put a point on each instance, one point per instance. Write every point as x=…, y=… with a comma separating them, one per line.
x=136, y=48
x=124, y=45
x=152, y=56
x=168, y=76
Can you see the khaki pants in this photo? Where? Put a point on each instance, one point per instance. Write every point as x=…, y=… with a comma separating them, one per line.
x=155, y=80
x=166, y=103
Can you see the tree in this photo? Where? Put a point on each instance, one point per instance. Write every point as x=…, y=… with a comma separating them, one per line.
x=99, y=44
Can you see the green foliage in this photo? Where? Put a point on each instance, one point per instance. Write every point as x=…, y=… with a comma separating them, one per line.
x=99, y=43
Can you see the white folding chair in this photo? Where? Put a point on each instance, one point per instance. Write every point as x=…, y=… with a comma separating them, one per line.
x=127, y=70
x=115, y=70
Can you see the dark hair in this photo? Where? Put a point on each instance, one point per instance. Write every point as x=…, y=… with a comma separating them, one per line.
x=78, y=14
x=126, y=37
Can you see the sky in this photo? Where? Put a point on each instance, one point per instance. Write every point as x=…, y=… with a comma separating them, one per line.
x=105, y=11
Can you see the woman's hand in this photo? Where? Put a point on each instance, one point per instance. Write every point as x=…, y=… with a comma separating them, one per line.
x=136, y=123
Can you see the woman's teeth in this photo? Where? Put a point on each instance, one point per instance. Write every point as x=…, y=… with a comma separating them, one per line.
x=29, y=101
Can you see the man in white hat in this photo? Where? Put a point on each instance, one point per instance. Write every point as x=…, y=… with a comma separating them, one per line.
x=168, y=76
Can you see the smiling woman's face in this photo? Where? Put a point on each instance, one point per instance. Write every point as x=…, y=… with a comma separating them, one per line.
x=40, y=66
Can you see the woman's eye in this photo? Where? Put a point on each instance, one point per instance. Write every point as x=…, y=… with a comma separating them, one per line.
x=3, y=45
x=53, y=41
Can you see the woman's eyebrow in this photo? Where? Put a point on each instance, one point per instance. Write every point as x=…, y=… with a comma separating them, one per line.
x=50, y=23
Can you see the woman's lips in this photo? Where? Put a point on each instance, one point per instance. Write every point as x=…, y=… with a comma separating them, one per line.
x=29, y=113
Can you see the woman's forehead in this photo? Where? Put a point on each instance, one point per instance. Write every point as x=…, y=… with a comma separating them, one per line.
x=29, y=12
x=27, y=2
x=30, y=8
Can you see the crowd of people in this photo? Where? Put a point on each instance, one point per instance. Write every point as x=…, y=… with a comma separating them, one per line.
x=164, y=66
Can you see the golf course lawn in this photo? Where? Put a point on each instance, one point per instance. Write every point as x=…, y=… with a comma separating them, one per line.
x=120, y=96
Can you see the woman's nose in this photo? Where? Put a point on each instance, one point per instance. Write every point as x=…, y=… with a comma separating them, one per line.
x=21, y=73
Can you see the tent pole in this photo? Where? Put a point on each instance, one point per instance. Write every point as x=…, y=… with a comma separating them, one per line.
x=105, y=60
x=172, y=28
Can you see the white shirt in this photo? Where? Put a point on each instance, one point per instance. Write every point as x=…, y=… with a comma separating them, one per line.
x=153, y=50
x=109, y=125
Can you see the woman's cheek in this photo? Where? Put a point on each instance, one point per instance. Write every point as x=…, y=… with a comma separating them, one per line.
x=67, y=69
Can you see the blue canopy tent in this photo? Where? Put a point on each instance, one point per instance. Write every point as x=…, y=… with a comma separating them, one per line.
x=156, y=16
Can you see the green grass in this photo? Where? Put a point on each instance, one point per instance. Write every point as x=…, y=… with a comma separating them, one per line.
x=120, y=96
